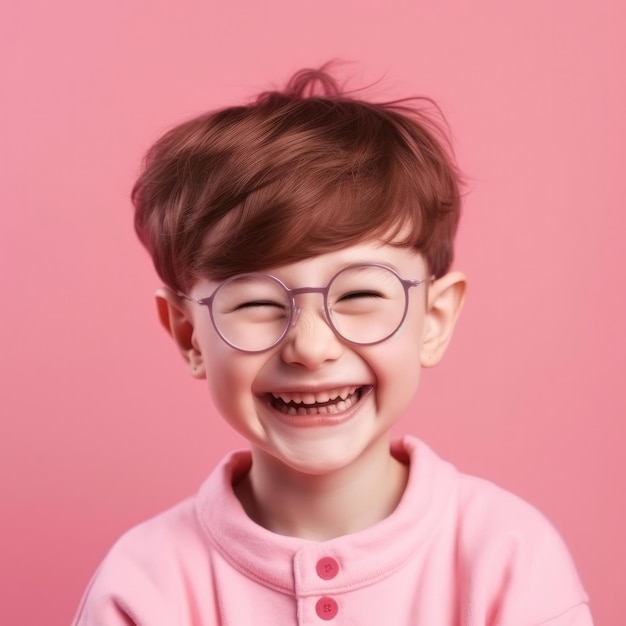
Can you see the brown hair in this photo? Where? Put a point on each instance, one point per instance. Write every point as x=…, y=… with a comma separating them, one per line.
x=295, y=174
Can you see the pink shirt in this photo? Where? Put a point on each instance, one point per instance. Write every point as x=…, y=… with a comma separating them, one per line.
x=457, y=551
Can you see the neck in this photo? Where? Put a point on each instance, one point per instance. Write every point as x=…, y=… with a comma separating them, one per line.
x=321, y=507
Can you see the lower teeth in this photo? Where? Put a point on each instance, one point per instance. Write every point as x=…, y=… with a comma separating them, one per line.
x=325, y=409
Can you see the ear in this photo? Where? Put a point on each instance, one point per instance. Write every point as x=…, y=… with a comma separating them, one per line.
x=445, y=301
x=175, y=317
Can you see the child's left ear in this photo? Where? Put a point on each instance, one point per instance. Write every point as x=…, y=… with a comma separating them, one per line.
x=445, y=301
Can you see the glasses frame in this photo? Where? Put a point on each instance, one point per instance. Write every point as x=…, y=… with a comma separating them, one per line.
x=294, y=309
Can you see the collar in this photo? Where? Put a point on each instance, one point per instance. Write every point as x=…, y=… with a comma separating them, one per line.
x=288, y=564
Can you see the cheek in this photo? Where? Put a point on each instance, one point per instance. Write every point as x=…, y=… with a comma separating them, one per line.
x=399, y=380
x=398, y=371
x=230, y=380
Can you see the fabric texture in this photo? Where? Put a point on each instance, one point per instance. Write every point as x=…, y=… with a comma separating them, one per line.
x=457, y=551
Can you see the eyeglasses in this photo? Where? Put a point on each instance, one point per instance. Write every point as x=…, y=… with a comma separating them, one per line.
x=364, y=304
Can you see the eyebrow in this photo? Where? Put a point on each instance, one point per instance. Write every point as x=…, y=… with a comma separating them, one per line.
x=339, y=268
x=391, y=266
x=336, y=270
x=354, y=263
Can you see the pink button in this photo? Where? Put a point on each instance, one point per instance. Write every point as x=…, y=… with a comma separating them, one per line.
x=326, y=608
x=327, y=568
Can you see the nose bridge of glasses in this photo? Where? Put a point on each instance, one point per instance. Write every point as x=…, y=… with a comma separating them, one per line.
x=297, y=309
x=300, y=290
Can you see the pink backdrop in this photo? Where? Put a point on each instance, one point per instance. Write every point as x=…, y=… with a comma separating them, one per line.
x=101, y=426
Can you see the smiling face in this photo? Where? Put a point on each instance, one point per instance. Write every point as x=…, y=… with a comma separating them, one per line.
x=315, y=402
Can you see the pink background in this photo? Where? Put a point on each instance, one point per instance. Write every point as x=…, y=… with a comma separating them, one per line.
x=101, y=426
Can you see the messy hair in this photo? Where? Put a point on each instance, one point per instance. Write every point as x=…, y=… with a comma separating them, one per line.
x=298, y=172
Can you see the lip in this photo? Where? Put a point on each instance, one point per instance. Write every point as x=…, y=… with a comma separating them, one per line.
x=319, y=419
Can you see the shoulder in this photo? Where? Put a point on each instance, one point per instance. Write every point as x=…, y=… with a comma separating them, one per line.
x=512, y=556
x=508, y=562
x=489, y=516
x=152, y=545
x=485, y=519
x=143, y=574
x=158, y=572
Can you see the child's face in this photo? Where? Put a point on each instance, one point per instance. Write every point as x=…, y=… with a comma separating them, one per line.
x=313, y=364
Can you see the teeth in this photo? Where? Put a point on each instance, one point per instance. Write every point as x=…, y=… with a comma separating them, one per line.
x=315, y=398
x=323, y=402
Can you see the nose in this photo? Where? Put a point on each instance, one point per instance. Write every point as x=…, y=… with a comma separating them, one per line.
x=311, y=341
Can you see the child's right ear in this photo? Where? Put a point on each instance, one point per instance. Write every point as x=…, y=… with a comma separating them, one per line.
x=176, y=318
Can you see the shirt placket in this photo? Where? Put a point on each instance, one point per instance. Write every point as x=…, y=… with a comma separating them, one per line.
x=318, y=579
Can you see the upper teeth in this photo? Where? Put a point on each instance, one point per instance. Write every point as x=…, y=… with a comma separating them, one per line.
x=307, y=397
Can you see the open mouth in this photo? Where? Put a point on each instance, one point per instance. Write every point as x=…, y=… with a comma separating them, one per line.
x=326, y=402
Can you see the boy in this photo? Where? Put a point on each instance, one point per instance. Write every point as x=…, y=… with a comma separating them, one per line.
x=305, y=243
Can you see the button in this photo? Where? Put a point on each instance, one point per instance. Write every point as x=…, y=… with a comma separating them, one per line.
x=326, y=608
x=327, y=568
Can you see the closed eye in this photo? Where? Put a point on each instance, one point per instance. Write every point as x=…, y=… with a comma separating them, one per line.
x=354, y=295
x=258, y=303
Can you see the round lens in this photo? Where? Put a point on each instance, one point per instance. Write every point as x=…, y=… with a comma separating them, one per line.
x=251, y=312
x=367, y=303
